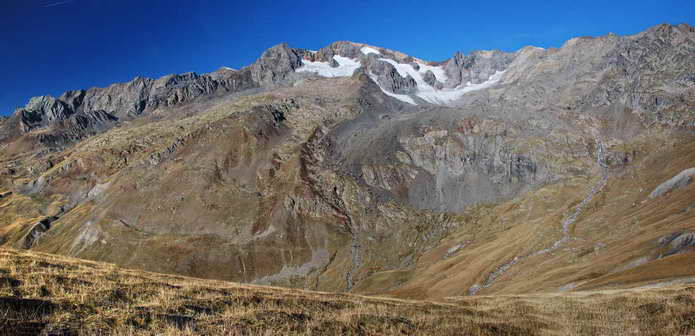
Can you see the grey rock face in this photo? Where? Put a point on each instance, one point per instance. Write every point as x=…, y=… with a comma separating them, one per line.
x=388, y=78
x=476, y=67
x=42, y=111
x=430, y=79
x=434, y=160
x=341, y=48
x=679, y=181
x=71, y=123
x=676, y=243
x=77, y=126
x=276, y=64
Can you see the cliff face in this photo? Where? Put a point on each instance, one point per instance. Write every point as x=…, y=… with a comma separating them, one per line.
x=360, y=168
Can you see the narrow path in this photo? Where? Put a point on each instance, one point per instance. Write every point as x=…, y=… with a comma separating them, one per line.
x=566, y=225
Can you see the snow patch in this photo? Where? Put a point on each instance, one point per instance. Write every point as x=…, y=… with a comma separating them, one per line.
x=346, y=67
x=369, y=50
x=438, y=72
x=228, y=68
x=404, y=69
x=401, y=97
x=432, y=95
x=407, y=69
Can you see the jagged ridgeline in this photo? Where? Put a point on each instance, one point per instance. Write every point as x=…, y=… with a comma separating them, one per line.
x=359, y=168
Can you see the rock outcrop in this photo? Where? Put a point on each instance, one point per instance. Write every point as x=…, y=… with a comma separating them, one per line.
x=681, y=180
x=275, y=65
x=36, y=231
x=476, y=67
x=679, y=242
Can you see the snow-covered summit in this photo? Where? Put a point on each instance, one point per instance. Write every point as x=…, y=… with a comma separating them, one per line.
x=414, y=80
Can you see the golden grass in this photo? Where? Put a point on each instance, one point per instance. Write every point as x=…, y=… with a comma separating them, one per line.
x=41, y=292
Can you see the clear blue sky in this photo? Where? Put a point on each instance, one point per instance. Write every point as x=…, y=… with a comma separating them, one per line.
x=50, y=46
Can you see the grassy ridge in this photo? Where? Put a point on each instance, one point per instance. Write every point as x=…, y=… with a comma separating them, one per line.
x=59, y=295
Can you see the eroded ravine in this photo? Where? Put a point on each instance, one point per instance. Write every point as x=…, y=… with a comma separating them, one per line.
x=311, y=156
x=356, y=257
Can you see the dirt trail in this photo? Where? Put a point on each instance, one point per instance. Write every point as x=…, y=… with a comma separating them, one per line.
x=566, y=225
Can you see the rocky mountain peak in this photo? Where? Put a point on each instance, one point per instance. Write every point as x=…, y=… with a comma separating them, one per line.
x=275, y=64
x=41, y=111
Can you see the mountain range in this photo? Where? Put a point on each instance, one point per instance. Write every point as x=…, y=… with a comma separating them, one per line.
x=356, y=168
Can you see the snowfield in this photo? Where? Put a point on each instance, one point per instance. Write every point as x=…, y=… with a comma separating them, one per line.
x=438, y=72
x=445, y=96
x=429, y=93
x=346, y=67
x=369, y=50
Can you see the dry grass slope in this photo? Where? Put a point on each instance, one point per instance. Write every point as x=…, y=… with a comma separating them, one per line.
x=52, y=295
